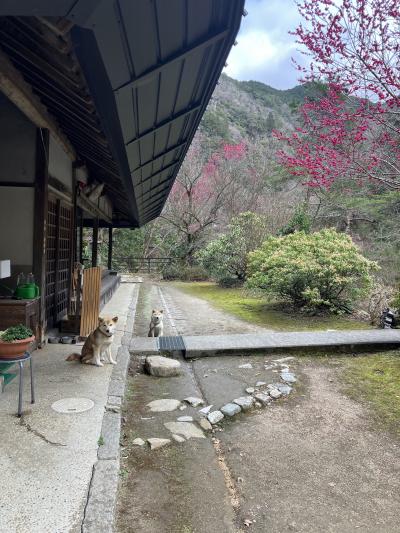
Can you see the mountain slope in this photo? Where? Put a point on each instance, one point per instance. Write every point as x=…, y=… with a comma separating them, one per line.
x=244, y=110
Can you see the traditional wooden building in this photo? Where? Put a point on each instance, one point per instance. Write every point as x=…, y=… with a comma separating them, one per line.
x=99, y=102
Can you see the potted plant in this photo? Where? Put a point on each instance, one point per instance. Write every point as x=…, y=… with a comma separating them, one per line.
x=14, y=341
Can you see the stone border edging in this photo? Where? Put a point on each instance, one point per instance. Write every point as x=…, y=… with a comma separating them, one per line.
x=99, y=511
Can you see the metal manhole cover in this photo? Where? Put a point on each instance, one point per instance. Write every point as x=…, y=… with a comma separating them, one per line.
x=72, y=405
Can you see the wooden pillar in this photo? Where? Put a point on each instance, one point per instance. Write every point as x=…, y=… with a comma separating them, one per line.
x=40, y=223
x=95, y=238
x=80, y=237
x=110, y=248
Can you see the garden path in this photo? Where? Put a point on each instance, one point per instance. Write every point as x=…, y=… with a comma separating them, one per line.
x=313, y=461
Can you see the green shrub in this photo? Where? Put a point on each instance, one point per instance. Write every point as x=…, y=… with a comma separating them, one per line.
x=184, y=272
x=322, y=270
x=194, y=273
x=171, y=272
x=225, y=258
x=16, y=333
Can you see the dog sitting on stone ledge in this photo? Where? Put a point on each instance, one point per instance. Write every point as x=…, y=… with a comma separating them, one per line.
x=156, y=323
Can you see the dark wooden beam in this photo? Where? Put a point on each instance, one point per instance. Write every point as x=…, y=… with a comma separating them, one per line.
x=148, y=75
x=20, y=93
x=16, y=184
x=168, y=167
x=110, y=248
x=164, y=123
x=95, y=238
x=40, y=223
x=157, y=157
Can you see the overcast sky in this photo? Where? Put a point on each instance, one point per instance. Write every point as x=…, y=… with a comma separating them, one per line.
x=265, y=48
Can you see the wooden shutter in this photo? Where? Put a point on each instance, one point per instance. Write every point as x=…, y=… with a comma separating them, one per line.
x=90, y=300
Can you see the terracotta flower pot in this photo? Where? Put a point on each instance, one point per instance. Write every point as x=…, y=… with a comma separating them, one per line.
x=15, y=349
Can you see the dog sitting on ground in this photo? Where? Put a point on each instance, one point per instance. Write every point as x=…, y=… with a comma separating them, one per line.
x=98, y=345
x=156, y=323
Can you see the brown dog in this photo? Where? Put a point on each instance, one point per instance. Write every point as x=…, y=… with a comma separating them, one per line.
x=98, y=343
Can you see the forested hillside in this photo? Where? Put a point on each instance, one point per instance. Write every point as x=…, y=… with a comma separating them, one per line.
x=234, y=166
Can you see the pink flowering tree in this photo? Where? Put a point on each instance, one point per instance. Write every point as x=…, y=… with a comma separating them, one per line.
x=200, y=192
x=352, y=131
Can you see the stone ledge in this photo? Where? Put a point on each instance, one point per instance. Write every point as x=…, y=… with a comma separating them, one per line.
x=99, y=512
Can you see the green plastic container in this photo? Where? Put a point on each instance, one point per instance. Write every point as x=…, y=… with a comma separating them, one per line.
x=28, y=291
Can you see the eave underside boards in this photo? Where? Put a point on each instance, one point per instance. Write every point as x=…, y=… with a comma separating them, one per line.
x=162, y=80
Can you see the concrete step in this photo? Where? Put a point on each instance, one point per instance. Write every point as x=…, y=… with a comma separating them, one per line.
x=211, y=345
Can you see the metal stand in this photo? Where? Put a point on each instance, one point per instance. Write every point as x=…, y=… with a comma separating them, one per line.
x=21, y=361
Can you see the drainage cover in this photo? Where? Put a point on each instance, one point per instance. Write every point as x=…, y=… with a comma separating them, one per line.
x=72, y=405
x=171, y=344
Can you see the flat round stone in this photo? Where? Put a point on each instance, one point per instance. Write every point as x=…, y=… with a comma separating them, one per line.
x=186, y=429
x=156, y=443
x=166, y=404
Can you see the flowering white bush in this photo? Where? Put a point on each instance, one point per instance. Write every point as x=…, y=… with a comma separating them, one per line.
x=322, y=270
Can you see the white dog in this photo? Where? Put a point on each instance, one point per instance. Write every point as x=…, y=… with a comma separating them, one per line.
x=156, y=323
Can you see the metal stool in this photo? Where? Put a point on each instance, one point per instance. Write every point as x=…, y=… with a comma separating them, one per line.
x=20, y=361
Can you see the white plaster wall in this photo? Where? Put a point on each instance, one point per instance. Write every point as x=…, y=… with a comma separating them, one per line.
x=17, y=144
x=16, y=224
x=60, y=164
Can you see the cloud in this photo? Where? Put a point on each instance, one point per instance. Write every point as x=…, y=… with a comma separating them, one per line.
x=265, y=49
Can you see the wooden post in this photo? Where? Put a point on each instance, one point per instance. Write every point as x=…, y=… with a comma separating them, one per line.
x=95, y=237
x=57, y=265
x=110, y=248
x=40, y=223
x=80, y=236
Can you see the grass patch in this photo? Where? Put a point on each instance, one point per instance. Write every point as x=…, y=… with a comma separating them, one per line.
x=375, y=379
x=254, y=308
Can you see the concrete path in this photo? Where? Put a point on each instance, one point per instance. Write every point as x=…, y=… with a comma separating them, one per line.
x=47, y=458
x=311, y=462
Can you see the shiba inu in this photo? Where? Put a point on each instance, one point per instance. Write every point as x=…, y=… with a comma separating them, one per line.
x=156, y=323
x=98, y=344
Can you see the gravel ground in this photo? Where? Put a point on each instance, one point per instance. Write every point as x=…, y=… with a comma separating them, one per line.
x=312, y=462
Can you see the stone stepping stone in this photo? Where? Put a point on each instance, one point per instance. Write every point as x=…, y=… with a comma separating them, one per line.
x=288, y=377
x=205, y=424
x=245, y=402
x=186, y=429
x=215, y=417
x=230, y=409
x=193, y=401
x=275, y=394
x=162, y=367
x=205, y=410
x=250, y=390
x=263, y=398
x=284, y=389
x=185, y=419
x=178, y=438
x=160, y=406
x=156, y=443
x=138, y=442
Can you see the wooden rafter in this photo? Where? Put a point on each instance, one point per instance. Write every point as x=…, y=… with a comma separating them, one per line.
x=13, y=85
